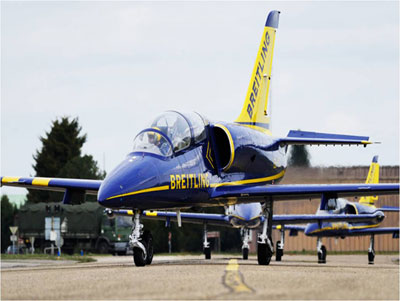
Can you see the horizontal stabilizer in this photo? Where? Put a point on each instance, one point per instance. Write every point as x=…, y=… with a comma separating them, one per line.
x=314, y=138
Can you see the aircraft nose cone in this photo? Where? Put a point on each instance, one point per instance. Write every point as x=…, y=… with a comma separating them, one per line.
x=133, y=174
x=380, y=216
x=248, y=211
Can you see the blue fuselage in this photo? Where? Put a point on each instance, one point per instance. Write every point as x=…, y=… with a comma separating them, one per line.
x=230, y=154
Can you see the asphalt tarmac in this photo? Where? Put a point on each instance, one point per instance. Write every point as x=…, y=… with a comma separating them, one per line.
x=191, y=277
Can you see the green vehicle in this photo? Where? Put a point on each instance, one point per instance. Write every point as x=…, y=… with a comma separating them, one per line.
x=75, y=228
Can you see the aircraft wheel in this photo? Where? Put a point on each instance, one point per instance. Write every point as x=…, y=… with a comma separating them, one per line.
x=245, y=252
x=371, y=257
x=322, y=255
x=139, y=257
x=264, y=254
x=279, y=251
x=207, y=253
x=148, y=240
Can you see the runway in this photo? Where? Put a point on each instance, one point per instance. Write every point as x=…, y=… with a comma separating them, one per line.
x=192, y=277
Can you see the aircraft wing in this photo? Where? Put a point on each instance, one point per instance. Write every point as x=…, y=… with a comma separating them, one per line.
x=354, y=232
x=369, y=231
x=53, y=184
x=188, y=217
x=303, y=191
x=313, y=218
x=75, y=189
x=389, y=209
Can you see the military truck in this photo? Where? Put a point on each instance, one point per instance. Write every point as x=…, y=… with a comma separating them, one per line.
x=77, y=227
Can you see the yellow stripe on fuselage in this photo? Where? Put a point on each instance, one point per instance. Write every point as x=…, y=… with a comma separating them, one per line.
x=167, y=187
x=159, y=188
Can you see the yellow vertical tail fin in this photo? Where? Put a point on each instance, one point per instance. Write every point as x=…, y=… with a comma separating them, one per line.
x=372, y=178
x=254, y=111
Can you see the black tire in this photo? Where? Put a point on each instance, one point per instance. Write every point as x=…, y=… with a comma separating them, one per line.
x=279, y=251
x=207, y=253
x=103, y=247
x=245, y=252
x=371, y=257
x=263, y=254
x=279, y=254
x=322, y=255
x=139, y=257
x=148, y=240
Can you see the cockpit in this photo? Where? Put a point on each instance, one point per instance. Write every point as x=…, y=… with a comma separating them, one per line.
x=171, y=132
x=335, y=205
x=339, y=205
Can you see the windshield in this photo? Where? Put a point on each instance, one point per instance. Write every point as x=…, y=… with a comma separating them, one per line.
x=152, y=142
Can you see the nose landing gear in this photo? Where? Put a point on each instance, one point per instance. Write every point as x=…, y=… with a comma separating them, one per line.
x=321, y=251
x=371, y=250
x=141, y=242
x=245, y=246
x=206, y=244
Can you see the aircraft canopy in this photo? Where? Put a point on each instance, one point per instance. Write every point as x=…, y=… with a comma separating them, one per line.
x=171, y=132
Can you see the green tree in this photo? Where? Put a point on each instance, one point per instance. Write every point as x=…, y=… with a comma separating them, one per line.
x=60, y=157
x=8, y=212
x=299, y=156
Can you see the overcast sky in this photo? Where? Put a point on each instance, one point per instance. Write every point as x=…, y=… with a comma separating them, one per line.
x=118, y=65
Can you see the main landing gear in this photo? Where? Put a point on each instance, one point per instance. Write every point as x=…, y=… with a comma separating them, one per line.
x=321, y=251
x=280, y=245
x=245, y=246
x=265, y=248
x=206, y=244
x=371, y=250
x=141, y=242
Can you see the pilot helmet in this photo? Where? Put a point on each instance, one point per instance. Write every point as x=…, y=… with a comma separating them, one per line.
x=153, y=136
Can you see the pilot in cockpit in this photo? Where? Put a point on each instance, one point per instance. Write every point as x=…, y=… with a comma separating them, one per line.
x=332, y=206
x=157, y=140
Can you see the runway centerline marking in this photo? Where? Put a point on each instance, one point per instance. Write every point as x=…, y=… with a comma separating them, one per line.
x=234, y=280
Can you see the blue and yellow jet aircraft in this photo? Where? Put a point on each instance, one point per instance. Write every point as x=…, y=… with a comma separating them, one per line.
x=184, y=160
x=344, y=228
